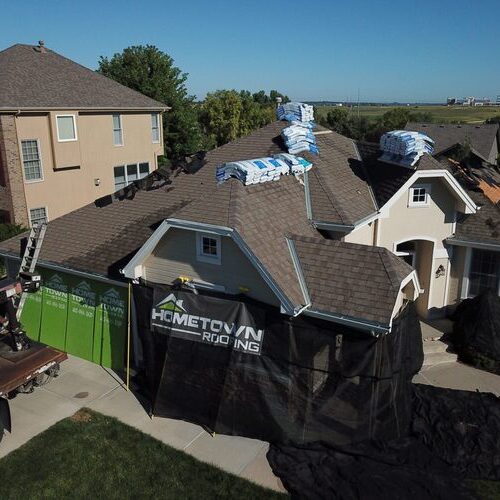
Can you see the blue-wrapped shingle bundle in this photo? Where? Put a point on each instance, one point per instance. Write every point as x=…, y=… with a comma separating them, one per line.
x=404, y=147
x=262, y=169
x=298, y=136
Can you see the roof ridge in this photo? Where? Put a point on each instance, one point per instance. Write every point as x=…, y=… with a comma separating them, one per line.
x=386, y=263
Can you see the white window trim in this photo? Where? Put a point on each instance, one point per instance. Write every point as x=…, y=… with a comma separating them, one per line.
x=121, y=129
x=32, y=181
x=36, y=208
x=74, y=127
x=415, y=204
x=159, y=128
x=200, y=256
x=465, y=292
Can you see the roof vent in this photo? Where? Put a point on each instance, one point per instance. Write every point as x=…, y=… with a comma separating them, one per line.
x=41, y=46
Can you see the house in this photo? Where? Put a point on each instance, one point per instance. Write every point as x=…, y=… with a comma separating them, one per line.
x=351, y=242
x=68, y=135
x=475, y=244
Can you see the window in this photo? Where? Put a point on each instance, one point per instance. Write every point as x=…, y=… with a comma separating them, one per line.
x=32, y=163
x=208, y=248
x=66, y=128
x=484, y=271
x=155, y=127
x=38, y=215
x=419, y=196
x=125, y=174
x=117, y=130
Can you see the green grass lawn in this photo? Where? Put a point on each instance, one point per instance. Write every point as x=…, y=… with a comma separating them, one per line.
x=90, y=456
x=440, y=113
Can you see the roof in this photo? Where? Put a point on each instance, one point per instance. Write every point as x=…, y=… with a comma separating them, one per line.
x=386, y=178
x=31, y=79
x=482, y=185
x=102, y=237
x=349, y=279
x=340, y=192
x=481, y=136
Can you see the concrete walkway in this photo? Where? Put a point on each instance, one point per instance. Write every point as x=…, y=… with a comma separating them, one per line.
x=82, y=383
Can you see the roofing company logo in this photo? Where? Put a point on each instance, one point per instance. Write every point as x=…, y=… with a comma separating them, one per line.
x=55, y=285
x=233, y=327
x=84, y=291
x=171, y=303
x=112, y=297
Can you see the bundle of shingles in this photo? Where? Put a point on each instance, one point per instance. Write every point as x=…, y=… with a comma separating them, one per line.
x=404, y=147
x=262, y=169
x=299, y=135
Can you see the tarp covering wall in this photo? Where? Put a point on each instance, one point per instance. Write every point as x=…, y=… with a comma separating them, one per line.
x=477, y=324
x=83, y=317
x=240, y=367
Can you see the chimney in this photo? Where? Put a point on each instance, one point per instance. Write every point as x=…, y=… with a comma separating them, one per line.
x=278, y=101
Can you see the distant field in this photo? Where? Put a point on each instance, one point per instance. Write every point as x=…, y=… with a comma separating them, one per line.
x=443, y=114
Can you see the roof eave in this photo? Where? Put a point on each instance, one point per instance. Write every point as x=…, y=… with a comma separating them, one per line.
x=375, y=328
x=11, y=110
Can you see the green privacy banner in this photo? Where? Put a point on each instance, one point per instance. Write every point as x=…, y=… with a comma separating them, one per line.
x=83, y=317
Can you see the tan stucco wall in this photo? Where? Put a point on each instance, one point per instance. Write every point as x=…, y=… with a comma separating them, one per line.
x=62, y=191
x=363, y=236
x=175, y=256
x=434, y=222
x=456, y=275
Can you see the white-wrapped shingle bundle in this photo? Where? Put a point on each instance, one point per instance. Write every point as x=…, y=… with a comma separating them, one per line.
x=405, y=147
x=298, y=111
x=297, y=164
x=252, y=171
x=299, y=138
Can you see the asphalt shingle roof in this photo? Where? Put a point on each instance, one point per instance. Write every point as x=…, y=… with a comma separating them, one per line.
x=30, y=79
x=481, y=136
x=102, y=237
x=348, y=279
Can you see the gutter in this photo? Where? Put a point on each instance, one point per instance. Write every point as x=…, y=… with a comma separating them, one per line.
x=473, y=244
x=375, y=329
x=18, y=111
x=68, y=270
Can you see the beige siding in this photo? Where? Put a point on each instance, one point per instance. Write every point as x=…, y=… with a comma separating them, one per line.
x=93, y=153
x=363, y=236
x=175, y=256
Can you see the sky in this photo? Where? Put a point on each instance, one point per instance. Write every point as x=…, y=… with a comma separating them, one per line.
x=412, y=51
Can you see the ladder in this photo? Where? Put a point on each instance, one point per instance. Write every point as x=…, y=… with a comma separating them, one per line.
x=30, y=256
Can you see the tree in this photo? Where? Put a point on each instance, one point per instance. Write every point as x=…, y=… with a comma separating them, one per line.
x=153, y=73
x=226, y=115
x=395, y=119
x=493, y=119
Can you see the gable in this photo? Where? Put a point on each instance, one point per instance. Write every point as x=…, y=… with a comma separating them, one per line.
x=175, y=256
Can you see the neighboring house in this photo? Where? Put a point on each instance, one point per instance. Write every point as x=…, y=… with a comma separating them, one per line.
x=340, y=244
x=475, y=244
x=68, y=135
x=483, y=139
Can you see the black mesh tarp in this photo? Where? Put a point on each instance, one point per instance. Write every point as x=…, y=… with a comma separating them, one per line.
x=288, y=380
x=477, y=324
x=454, y=437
